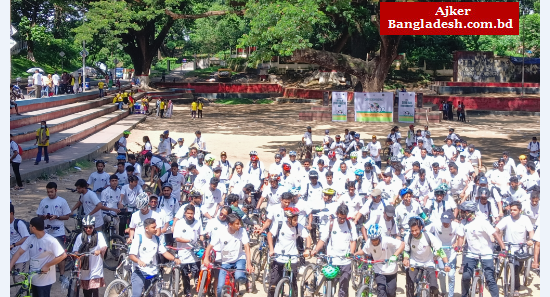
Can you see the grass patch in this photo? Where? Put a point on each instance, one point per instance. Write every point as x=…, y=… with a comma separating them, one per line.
x=206, y=72
x=84, y=164
x=235, y=101
x=20, y=64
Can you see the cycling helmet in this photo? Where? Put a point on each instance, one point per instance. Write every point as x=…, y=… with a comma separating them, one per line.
x=277, y=156
x=444, y=187
x=120, y=157
x=318, y=148
x=405, y=191
x=286, y=167
x=483, y=180
x=295, y=191
x=142, y=200
x=292, y=153
x=483, y=191
x=200, y=156
x=374, y=231
x=394, y=159
x=468, y=206
x=254, y=158
x=195, y=193
x=495, y=165
x=331, y=155
x=359, y=172
x=274, y=177
x=253, y=153
x=126, y=132
x=364, y=149
x=291, y=212
x=209, y=158
x=313, y=173
x=238, y=163
x=414, y=219
x=88, y=220
x=199, y=253
x=330, y=272
x=329, y=191
x=353, y=155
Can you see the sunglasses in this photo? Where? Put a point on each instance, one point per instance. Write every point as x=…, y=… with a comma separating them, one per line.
x=88, y=227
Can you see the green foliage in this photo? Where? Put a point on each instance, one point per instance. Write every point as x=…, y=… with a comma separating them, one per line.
x=202, y=73
x=235, y=101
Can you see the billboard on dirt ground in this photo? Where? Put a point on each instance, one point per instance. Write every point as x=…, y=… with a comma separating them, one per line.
x=373, y=107
x=406, y=107
x=339, y=106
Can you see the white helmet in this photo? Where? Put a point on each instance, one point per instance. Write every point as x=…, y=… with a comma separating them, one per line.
x=365, y=149
x=142, y=201
x=209, y=158
x=88, y=220
x=354, y=155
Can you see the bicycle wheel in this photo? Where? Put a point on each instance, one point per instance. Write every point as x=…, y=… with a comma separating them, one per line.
x=226, y=291
x=256, y=263
x=364, y=291
x=509, y=280
x=424, y=293
x=309, y=282
x=118, y=288
x=265, y=278
x=283, y=288
x=175, y=281
x=527, y=272
x=201, y=289
x=164, y=293
x=74, y=287
x=356, y=274
x=477, y=287
x=112, y=256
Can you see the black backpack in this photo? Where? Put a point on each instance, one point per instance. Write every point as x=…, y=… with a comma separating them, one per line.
x=16, y=225
x=427, y=238
x=117, y=146
x=276, y=236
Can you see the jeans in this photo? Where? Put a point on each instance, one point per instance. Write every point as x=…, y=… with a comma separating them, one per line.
x=120, y=105
x=488, y=270
x=451, y=277
x=343, y=280
x=139, y=283
x=186, y=269
x=386, y=285
x=240, y=276
x=39, y=154
x=42, y=291
x=100, y=93
x=55, y=90
x=15, y=167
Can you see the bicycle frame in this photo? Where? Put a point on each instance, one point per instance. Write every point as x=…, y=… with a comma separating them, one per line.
x=26, y=283
x=229, y=280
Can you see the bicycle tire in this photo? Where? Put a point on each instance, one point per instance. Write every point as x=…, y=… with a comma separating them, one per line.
x=74, y=287
x=527, y=272
x=365, y=289
x=265, y=278
x=256, y=262
x=280, y=288
x=424, y=293
x=356, y=274
x=226, y=291
x=328, y=289
x=476, y=290
x=164, y=293
x=112, y=256
x=498, y=270
x=201, y=291
x=118, y=288
x=508, y=281
x=443, y=283
x=175, y=281
x=309, y=281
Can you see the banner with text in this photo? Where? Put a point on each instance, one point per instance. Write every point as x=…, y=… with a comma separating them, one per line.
x=374, y=107
x=339, y=106
x=406, y=107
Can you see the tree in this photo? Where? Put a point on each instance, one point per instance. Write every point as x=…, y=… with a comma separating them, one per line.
x=32, y=17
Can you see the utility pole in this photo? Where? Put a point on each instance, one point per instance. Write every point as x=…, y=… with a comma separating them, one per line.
x=83, y=66
x=523, y=53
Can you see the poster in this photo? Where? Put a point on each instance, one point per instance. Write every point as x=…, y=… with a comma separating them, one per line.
x=339, y=106
x=374, y=107
x=406, y=107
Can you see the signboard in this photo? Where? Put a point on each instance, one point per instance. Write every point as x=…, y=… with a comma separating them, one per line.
x=119, y=72
x=339, y=106
x=374, y=107
x=406, y=107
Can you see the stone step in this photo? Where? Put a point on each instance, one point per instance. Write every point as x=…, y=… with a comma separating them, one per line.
x=27, y=133
x=51, y=113
x=86, y=149
x=69, y=136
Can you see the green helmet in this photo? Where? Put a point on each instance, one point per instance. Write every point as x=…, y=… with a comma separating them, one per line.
x=318, y=148
x=330, y=272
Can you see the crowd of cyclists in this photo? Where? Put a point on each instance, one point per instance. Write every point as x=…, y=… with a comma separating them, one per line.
x=182, y=205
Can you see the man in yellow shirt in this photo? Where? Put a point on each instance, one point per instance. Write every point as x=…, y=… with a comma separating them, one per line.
x=194, y=109
x=162, y=106
x=120, y=100
x=199, y=107
x=43, y=141
x=100, y=85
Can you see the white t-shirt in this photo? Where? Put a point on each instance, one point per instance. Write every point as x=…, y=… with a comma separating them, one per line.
x=490, y=209
x=215, y=226
x=110, y=198
x=273, y=195
x=186, y=231
x=181, y=151
x=176, y=181
x=354, y=203
x=226, y=169
x=96, y=262
x=314, y=194
x=473, y=157
x=510, y=164
x=420, y=251
x=465, y=168
x=137, y=219
x=137, y=168
x=37, y=79
x=457, y=183
x=147, y=252
x=339, y=244
x=89, y=202
x=15, y=237
x=449, y=151
x=130, y=195
x=530, y=211
x=384, y=250
x=198, y=214
x=231, y=245
x=210, y=200
x=517, y=231
x=122, y=178
x=478, y=237
x=98, y=180
x=55, y=207
x=275, y=213
x=123, y=142
x=307, y=137
x=447, y=236
x=287, y=240
x=373, y=148
x=502, y=178
x=170, y=206
x=55, y=79
x=42, y=251
x=237, y=182
x=403, y=213
x=15, y=148
x=532, y=147
x=438, y=178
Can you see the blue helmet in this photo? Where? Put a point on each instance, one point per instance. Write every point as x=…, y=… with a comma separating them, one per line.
x=359, y=172
x=405, y=191
x=374, y=231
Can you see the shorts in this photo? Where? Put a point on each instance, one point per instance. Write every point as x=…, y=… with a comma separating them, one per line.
x=61, y=240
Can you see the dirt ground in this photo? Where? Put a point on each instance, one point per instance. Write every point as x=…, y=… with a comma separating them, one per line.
x=238, y=129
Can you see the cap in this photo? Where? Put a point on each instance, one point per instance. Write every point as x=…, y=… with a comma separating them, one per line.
x=483, y=180
x=357, y=135
x=447, y=217
x=387, y=174
x=166, y=132
x=180, y=139
x=167, y=185
x=428, y=133
x=282, y=149
x=389, y=210
x=471, y=146
x=411, y=126
x=223, y=154
x=217, y=168
x=376, y=192
x=326, y=131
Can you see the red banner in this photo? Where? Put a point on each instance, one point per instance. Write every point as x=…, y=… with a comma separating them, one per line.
x=449, y=18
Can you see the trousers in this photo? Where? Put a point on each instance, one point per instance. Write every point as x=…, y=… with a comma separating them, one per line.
x=488, y=271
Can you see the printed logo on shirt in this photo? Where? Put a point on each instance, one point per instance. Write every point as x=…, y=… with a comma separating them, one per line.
x=47, y=206
x=333, y=232
x=225, y=242
x=184, y=230
x=414, y=247
x=144, y=248
x=215, y=228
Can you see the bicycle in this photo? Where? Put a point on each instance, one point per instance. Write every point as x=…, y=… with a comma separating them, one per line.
x=122, y=288
x=112, y=239
x=71, y=238
x=206, y=287
x=230, y=288
x=174, y=283
x=286, y=280
x=478, y=284
x=259, y=261
x=73, y=285
x=422, y=287
x=25, y=285
x=366, y=277
x=506, y=269
x=440, y=273
x=313, y=279
x=124, y=268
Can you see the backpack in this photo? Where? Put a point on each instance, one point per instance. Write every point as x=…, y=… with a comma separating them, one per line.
x=330, y=229
x=307, y=190
x=427, y=238
x=279, y=226
x=531, y=143
x=117, y=145
x=158, y=242
x=16, y=225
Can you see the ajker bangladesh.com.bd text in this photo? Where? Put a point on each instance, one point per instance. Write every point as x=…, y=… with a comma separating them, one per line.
x=455, y=24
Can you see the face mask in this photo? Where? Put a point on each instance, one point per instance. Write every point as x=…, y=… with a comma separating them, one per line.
x=189, y=222
x=43, y=126
x=161, y=139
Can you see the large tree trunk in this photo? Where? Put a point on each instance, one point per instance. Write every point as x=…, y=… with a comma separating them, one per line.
x=372, y=74
x=30, y=50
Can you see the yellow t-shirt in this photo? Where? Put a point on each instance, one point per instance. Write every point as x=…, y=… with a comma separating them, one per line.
x=120, y=98
x=200, y=105
x=47, y=143
x=162, y=104
x=194, y=106
x=100, y=85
